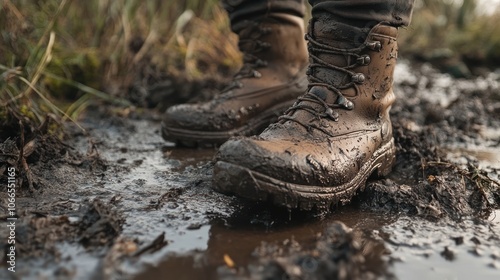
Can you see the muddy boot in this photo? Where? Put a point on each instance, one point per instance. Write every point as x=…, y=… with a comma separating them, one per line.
x=323, y=149
x=272, y=77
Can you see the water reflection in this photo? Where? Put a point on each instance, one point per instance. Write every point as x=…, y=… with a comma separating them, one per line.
x=252, y=226
x=444, y=250
x=487, y=157
x=409, y=248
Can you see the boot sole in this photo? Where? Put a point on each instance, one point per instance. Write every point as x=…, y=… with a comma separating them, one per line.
x=197, y=138
x=230, y=178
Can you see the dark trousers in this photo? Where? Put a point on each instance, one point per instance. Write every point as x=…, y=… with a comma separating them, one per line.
x=360, y=13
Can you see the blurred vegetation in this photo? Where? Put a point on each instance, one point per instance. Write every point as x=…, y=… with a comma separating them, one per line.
x=457, y=36
x=58, y=56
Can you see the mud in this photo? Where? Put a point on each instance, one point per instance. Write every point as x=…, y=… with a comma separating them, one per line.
x=120, y=203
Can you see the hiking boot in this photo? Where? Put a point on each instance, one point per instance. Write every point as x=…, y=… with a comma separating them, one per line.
x=270, y=80
x=323, y=149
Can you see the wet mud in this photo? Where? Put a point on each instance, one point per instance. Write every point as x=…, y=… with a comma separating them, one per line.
x=120, y=203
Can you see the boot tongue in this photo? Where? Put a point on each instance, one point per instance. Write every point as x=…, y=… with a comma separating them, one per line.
x=339, y=36
x=324, y=94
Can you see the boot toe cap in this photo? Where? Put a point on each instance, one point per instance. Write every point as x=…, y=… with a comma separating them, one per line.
x=182, y=116
x=287, y=161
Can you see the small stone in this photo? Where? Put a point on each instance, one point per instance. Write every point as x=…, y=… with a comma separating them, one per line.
x=448, y=254
x=194, y=226
x=494, y=265
x=475, y=240
x=458, y=240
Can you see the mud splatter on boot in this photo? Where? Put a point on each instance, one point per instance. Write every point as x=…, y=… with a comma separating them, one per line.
x=323, y=149
x=272, y=77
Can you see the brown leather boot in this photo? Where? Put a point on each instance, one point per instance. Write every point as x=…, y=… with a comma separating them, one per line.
x=271, y=79
x=323, y=149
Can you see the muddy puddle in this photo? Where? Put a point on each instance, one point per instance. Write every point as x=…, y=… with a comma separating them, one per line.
x=393, y=247
x=131, y=206
x=160, y=189
x=487, y=157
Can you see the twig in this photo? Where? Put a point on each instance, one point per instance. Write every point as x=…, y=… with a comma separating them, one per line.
x=154, y=246
x=22, y=158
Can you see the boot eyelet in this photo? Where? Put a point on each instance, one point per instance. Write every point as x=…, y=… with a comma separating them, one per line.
x=331, y=114
x=349, y=105
x=358, y=78
x=344, y=102
x=375, y=46
x=364, y=60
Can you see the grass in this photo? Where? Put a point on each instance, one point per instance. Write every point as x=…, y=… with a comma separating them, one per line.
x=59, y=56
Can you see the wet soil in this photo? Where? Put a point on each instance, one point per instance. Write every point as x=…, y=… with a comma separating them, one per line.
x=120, y=203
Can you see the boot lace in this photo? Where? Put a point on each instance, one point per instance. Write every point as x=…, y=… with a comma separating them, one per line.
x=250, y=45
x=341, y=102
